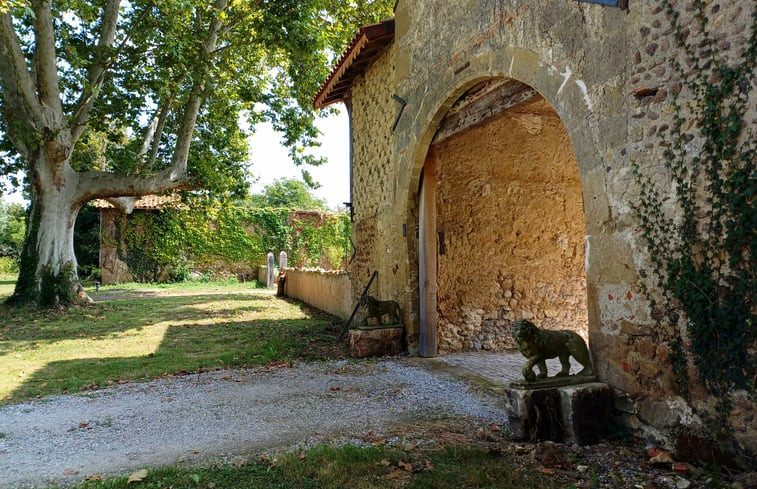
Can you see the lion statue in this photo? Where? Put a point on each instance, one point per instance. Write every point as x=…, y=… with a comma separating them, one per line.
x=378, y=309
x=537, y=345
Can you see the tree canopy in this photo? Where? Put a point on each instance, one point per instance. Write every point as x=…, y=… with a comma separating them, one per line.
x=288, y=193
x=105, y=98
x=125, y=99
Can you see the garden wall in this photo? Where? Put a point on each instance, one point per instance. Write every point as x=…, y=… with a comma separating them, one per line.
x=329, y=291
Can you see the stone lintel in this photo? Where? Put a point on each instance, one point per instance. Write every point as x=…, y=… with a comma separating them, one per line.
x=580, y=413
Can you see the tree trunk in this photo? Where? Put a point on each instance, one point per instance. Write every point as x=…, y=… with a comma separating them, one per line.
x=47, y=271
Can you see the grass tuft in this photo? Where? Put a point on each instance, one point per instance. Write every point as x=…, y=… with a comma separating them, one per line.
x=358, y=467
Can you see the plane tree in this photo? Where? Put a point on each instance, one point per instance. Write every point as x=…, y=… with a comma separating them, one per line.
x=115, y=99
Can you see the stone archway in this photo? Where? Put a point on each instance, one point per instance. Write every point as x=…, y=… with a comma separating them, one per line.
x=501, y=222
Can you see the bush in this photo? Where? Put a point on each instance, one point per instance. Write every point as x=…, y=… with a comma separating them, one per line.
x=8, y=265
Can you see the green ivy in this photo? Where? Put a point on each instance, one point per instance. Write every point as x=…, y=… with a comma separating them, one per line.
x=167, y=245
x=704, y=263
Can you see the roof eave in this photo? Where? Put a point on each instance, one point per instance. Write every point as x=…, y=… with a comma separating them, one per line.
x=365, y=47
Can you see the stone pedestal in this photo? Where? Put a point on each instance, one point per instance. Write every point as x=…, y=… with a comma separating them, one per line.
x=376, y=341
x=569, y=414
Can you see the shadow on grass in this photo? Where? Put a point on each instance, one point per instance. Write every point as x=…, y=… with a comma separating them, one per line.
x=106, y=318
x=139, y=339
x=192, y=348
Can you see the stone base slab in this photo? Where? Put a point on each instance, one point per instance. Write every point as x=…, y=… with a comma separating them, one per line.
x=376, y=341
x=579, y=414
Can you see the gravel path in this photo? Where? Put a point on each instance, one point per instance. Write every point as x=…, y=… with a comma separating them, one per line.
x=62, y=439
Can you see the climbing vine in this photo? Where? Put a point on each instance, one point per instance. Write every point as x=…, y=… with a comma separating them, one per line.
x=703, y=242
x=168, y=245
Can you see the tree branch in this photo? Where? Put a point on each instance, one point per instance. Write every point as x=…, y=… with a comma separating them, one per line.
x=159, y=131
x=46, y=64
x=19, y=90
x=94, y=184
x=192, y=107
x=96, y=71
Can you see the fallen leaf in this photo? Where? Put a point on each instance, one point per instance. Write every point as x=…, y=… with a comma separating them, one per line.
x=662, y=458
x=226, y=377
x=681, y=468
x=70, y=472
x=427, y=465
x=385, y=463
x=95, y=477
x=195, y=451
x=380, y=442
x=83, y=425
x=137, y=476
x=404, y=465
x=546, y=471
x=494, y=427
x=653, y=452
x=334, y=388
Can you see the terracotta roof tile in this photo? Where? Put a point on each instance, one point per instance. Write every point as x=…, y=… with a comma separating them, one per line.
x=365, y=47
x=144, y=203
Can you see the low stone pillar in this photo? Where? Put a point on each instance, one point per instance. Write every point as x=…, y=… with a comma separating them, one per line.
x=580, y=413
x=270, y=271
x=376, y=341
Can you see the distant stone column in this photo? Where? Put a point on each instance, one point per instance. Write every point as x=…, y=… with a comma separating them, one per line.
x=282, y=261
x=269, y=276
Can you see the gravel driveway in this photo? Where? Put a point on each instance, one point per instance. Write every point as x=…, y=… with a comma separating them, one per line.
x=62, y=439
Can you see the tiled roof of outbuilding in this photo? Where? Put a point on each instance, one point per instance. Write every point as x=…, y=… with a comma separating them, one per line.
x=146, y=202
x=362, y=51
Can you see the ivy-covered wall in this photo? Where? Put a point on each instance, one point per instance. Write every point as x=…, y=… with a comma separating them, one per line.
x=170, y=244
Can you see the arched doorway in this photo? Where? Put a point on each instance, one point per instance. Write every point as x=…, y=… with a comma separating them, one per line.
x=501, y=223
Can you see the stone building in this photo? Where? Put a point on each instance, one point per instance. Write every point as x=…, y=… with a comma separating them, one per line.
x=492, y=143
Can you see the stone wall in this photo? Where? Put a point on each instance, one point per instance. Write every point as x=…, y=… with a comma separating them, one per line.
x=376, y=230
x=509, y=205
x=327, y=290
x=113, y=270
x=606, y=74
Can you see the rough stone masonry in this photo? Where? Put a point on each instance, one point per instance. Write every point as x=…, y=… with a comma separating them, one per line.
x=530, y=210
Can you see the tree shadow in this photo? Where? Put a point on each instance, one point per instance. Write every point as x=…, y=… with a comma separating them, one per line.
x=141, y=339
x=106, y=318
x=192, y=348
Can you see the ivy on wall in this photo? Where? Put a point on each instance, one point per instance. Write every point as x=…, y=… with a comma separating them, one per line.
x=167, y=245
x=703, y=246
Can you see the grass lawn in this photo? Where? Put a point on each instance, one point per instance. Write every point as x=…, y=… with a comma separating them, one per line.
x=139, y=332
x=327, y=467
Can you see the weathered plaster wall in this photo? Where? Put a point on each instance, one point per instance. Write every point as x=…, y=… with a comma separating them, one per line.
x=605, y=72
x=509, y=205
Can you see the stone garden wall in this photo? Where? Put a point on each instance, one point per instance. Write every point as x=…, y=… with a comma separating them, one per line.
x=329, y=291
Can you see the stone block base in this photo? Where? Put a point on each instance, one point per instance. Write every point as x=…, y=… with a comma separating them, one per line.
x=377, y=341
x=575, y=414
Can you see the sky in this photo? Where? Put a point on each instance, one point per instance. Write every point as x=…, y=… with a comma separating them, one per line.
x=270, y=161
